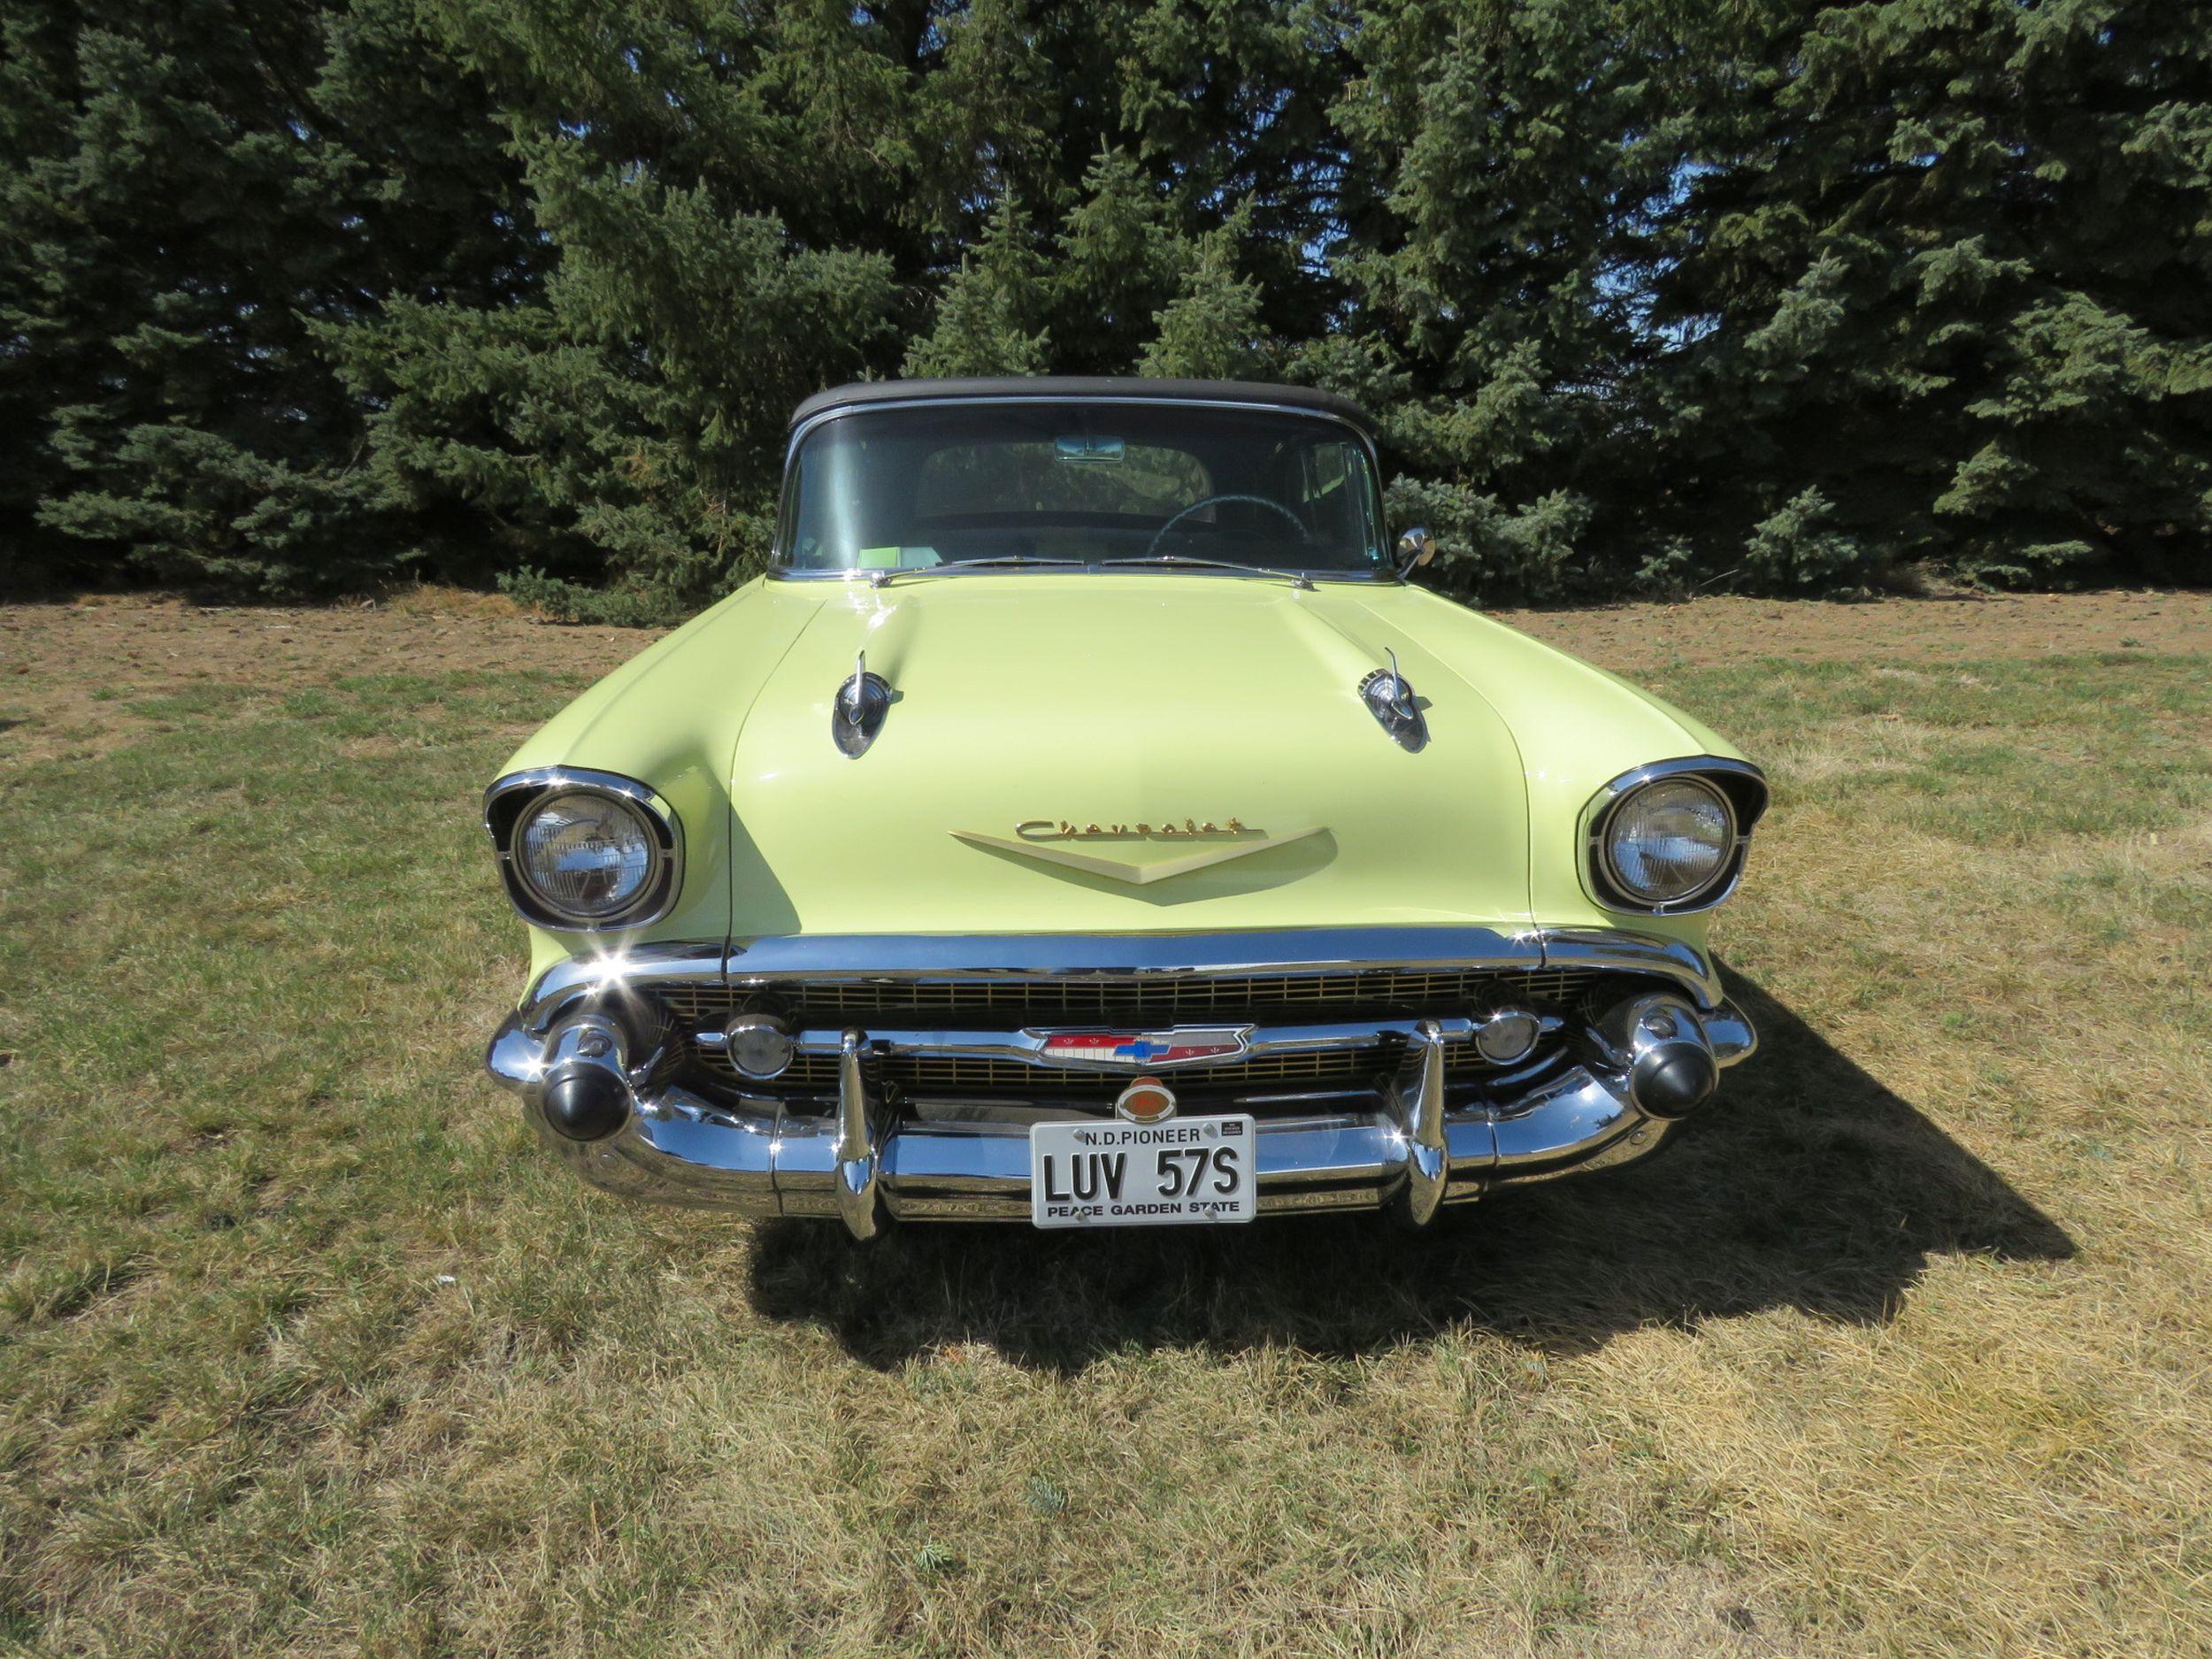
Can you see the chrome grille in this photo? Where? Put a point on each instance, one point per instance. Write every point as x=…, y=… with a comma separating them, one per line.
x=1152, y=999
x=963, y=1074
x=944, y=1074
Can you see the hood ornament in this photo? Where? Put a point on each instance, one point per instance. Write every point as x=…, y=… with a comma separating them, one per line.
x=1389, y=698
x=857, y=715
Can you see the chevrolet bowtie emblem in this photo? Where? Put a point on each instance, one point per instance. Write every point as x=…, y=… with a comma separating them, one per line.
x=1137, y=1050
x=1046, y=838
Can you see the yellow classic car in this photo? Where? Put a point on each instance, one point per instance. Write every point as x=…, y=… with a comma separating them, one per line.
x=1086, y=822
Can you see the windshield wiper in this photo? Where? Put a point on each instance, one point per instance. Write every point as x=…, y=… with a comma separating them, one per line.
x=1000, y=561
x=1190, y=562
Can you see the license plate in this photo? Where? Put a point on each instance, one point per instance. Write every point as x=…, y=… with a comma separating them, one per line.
x=1095, y=1174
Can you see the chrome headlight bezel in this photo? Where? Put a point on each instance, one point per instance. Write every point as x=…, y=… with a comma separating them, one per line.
x=513, y=797
x=1739, y=786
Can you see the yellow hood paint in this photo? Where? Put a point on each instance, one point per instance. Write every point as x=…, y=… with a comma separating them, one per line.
x=1114, y=699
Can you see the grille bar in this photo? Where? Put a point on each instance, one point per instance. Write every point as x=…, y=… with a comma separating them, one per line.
x=1045, y=1000
x=944, y=1074
x=995, y=1010
x=961, y=1074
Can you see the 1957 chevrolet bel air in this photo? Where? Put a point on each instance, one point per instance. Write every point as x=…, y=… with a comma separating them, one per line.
x=1086, y=822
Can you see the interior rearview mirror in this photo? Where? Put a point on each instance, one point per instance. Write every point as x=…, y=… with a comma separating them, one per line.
x=1093, y=450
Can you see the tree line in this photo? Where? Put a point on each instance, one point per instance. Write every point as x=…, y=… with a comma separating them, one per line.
x=1647, y=296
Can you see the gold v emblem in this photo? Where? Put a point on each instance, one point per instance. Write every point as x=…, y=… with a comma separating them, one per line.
x=1138, y=875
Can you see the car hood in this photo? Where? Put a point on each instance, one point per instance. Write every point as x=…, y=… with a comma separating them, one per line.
x=1146, y=708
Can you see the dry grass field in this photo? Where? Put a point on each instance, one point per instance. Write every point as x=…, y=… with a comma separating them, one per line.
x=304, y=1350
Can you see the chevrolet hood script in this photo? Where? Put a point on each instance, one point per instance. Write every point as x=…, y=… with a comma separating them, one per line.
x=1046, y=840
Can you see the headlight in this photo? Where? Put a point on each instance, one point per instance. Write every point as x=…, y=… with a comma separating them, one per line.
x=586, y=857
x=1669, y=842
x=585, y=850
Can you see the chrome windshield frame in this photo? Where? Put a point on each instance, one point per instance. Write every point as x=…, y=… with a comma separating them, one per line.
x=1385, y=572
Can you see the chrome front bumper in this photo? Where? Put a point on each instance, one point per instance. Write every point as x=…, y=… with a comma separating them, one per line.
x=1416, y=1141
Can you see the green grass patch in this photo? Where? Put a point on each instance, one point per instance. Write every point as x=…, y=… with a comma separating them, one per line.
x=304, y=1349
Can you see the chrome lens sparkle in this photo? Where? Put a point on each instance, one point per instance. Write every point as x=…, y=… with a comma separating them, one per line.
x=1669, y=841
x=586, y=856
x=759, y=1045
x=1507, y=1035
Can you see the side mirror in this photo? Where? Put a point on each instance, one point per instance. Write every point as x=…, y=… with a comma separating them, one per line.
x=1415, y=549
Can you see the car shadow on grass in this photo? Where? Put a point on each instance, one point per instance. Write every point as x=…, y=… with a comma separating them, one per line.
x=1806, y=1184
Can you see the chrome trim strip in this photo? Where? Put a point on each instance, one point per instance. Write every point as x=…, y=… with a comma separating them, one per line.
x=1566, y=1124
x=1733, y=1037
x=1304, y=578
x=878, y=578
x=681, y=1149
x=1597, y=815
x=1614, y=951
x=658, y=900
x=861, y=958
x=620, y=977
x=1028, y=1045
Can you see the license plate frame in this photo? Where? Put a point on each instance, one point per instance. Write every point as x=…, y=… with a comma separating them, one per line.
x=1187, y=1172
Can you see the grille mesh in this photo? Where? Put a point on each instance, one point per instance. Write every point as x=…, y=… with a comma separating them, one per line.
x=1044, y=1001
x=1152, y=1001
x=961, y=1074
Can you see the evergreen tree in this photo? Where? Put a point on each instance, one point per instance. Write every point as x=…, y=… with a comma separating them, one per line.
x=1947, y=266
x=202, y=186
x=1640, y=291
x=1121, y=263
x=625, y=428
x=1213, y=329
x=984, y=322
x=1530, y=151
x=1006, y=105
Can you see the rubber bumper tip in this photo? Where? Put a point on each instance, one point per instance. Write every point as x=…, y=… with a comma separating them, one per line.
x=585, y=1105
x=1675, y=1080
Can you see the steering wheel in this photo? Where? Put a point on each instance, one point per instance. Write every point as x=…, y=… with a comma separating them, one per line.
x=1296, y=523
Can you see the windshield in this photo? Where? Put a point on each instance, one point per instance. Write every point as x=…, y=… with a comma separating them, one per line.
x=1081, y=484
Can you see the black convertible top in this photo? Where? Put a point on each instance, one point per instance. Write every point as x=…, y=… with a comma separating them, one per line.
x=1076, y=388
